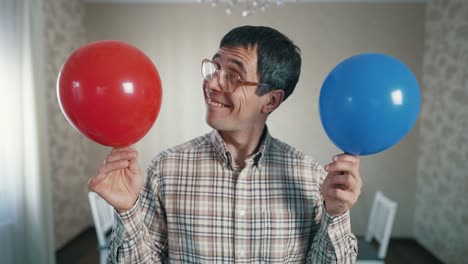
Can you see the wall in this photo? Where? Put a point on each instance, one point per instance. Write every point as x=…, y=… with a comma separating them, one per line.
x=67, y=150
x=441, y=215
x=178, y=37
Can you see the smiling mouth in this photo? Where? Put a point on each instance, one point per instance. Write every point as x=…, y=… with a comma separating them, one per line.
x=212, y=102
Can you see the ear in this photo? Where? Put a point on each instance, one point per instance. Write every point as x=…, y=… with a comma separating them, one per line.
x=275, y=98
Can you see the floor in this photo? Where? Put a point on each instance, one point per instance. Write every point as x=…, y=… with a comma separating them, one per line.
x=83, y=250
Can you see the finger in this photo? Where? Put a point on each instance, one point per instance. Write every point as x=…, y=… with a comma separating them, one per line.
x=94, y=181
x=122, y=155
x=127, y=148
x=327, y=181
x=343, y=181
x=113, y=166
x=329, y=176
x=345, y=168
x=342, y=166
x=134, y=167
x=358, y=179
x=336, y=194
x=347, y=157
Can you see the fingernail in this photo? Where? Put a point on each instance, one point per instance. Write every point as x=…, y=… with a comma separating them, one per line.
x=335, y=158
x=327, y=167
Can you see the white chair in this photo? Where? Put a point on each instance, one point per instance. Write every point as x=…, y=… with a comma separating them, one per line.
x=103, y=216
x=379, y=228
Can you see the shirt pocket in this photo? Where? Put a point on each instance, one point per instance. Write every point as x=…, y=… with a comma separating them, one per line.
x=285, y=236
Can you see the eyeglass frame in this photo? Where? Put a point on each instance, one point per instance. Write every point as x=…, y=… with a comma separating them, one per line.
x=239, y=80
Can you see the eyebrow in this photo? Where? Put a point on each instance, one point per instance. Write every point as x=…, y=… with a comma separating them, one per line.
x=234, y=61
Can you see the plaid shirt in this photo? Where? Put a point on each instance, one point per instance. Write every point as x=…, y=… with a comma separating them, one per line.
x=197, y=206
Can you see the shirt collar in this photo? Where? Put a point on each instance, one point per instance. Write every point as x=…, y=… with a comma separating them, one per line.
x=224, y=156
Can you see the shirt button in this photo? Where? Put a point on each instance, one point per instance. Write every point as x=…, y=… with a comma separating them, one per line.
x=242, y=253
x=241, y=212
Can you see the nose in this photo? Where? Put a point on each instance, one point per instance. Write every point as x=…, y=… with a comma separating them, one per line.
x=213, y=84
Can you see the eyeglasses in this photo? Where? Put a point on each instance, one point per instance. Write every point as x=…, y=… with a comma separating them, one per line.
x=228, y=80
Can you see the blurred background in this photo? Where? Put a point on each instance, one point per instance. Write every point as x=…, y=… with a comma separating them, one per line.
x=44, y=207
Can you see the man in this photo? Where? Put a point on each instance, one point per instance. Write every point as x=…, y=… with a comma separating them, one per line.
x=236, y=194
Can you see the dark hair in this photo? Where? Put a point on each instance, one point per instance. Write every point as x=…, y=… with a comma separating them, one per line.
x=279, y=59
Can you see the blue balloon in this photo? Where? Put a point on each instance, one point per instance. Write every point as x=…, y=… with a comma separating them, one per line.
x=368, y=103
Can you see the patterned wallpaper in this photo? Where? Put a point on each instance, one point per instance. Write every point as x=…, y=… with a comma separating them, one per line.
x=65, y=32
x=442, y=167
x=441, y=216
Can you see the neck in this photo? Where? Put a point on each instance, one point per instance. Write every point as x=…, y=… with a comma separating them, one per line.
x=242, y=144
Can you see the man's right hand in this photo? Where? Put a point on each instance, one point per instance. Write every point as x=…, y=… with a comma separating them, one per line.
x=119, y=180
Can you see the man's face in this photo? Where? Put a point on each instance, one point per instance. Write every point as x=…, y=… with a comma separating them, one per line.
x=242, y=109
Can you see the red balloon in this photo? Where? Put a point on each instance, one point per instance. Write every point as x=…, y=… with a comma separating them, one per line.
x=110, y=92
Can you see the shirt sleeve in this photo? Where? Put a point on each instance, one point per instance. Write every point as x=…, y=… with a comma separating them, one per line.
x=139, y=235
x=332, y=241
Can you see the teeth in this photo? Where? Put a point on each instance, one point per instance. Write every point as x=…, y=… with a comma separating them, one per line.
x=214, y=103
x=210, y=102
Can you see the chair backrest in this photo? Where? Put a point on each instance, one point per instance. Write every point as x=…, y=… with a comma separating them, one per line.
x=381, y=222
x=103, y=216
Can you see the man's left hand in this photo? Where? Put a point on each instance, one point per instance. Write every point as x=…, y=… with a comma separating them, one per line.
x=342, y=186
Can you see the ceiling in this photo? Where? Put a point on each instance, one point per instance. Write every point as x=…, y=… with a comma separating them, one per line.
x=302, y=1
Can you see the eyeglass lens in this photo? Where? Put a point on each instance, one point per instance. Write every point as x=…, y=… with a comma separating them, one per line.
x=227, y=78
